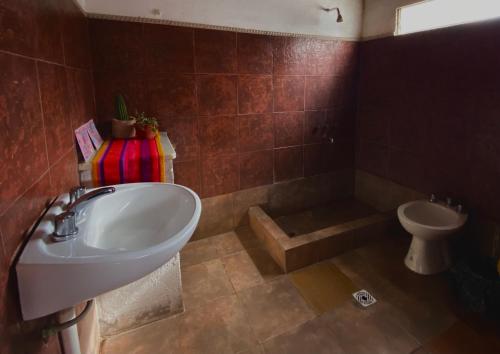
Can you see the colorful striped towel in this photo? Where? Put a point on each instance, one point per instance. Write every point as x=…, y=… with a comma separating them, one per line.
x=128, y=161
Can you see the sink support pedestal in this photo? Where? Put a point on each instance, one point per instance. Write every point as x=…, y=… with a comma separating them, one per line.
x=428, y=257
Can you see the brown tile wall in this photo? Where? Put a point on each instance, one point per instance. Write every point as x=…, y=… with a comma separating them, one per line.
x=46, y=90
x=244, y=110
x=429, y=112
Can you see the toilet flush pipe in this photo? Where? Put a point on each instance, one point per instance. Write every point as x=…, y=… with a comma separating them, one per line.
x=67, y=327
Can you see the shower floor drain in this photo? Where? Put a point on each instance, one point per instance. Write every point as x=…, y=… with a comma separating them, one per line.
x=364, y=298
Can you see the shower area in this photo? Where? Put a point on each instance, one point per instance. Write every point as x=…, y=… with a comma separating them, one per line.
x=299, y=238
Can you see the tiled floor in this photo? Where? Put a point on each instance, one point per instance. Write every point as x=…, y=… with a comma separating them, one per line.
x=238, y=301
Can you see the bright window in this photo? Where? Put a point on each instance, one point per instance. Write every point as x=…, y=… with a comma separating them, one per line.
x=431, y=14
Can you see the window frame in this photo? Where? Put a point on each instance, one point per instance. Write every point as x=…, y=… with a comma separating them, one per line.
x=397, y=27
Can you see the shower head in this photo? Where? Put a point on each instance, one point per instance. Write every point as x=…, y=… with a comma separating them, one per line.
x=339, y=15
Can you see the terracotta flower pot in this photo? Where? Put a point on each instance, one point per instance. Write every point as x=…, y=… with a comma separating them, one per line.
x=123, y=129
x=144, y=132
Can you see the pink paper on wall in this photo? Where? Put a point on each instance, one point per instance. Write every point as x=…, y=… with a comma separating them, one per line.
x=84, y=141
x=94, y=134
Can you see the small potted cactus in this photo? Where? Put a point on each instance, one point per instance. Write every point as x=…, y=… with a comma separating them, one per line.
x=123, y=125
x=146, y=127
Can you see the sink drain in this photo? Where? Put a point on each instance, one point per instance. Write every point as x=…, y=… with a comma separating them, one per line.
x=364, y=298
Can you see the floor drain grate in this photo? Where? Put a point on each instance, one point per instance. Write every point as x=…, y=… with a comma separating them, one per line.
x=364, y=298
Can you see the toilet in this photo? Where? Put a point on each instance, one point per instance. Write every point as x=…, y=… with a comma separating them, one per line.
x=431, y=223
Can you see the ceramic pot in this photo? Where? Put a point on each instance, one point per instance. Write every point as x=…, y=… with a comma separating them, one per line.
x=144, y=132
x=123, y=129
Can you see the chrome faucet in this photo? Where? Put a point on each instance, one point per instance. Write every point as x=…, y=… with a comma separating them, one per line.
x=76, y=192
x=449, y=202
x=75, y=205
x=65, y=227
x=65, y=223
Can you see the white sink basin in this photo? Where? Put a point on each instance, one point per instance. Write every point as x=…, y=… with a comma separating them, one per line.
x=430, y=224
x=121, y=238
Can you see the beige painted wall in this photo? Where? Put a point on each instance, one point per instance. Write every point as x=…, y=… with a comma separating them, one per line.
x=290, y=16
x=379, y=18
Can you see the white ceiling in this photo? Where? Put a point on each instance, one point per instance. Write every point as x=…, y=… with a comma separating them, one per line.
x=289, y=16
x=362, y=18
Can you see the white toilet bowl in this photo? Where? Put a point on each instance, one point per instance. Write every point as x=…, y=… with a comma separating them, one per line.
x=430, y=223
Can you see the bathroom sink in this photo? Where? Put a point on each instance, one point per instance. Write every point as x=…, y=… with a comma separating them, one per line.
x=430, y=220
x=430, y=223
x=121, y=238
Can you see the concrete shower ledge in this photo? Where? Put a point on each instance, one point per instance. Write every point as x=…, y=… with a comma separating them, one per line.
x=292, y=253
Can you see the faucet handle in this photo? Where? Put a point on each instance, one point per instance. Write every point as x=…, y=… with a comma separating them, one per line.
x=65, y=227
x=449, y=202
x=433, y=198
x=76, y=192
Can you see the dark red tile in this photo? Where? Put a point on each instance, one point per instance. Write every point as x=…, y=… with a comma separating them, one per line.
x=215, y=51
x=19, y=26
x=55, y=107
x=328, y=156
x=289, y=55
x=288, y=128
x=288, y=163
x=183, y=133
x=109, y=85
x=343, y=120
x=4, y=266
x=218, y=135
x=49, y=45
x=75, y=37
x=256, y=168
x=81, y=96
x=320, y=58
x=406, y=168
x=32, y=28
x=318, y=128
x=478, y=171
x=255, y=94
x=216, y=94
x=323, y=92
x=117, y=46
x=23, y=153
x=421, y=127
x=64, y=174
x=346, y=58
x=187, y=173
x=16, y=221
x=173, y=94
x=288, y=93
x=220, y=175
x=343, y=154
x=168, y=49
x=410, y=132
x=373, y=124
x=373, y=158
x=256, y=132
x=317, y=159
x=255, y=54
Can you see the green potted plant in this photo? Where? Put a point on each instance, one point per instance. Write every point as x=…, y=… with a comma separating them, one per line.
x=123, y=125
x=146, y=127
